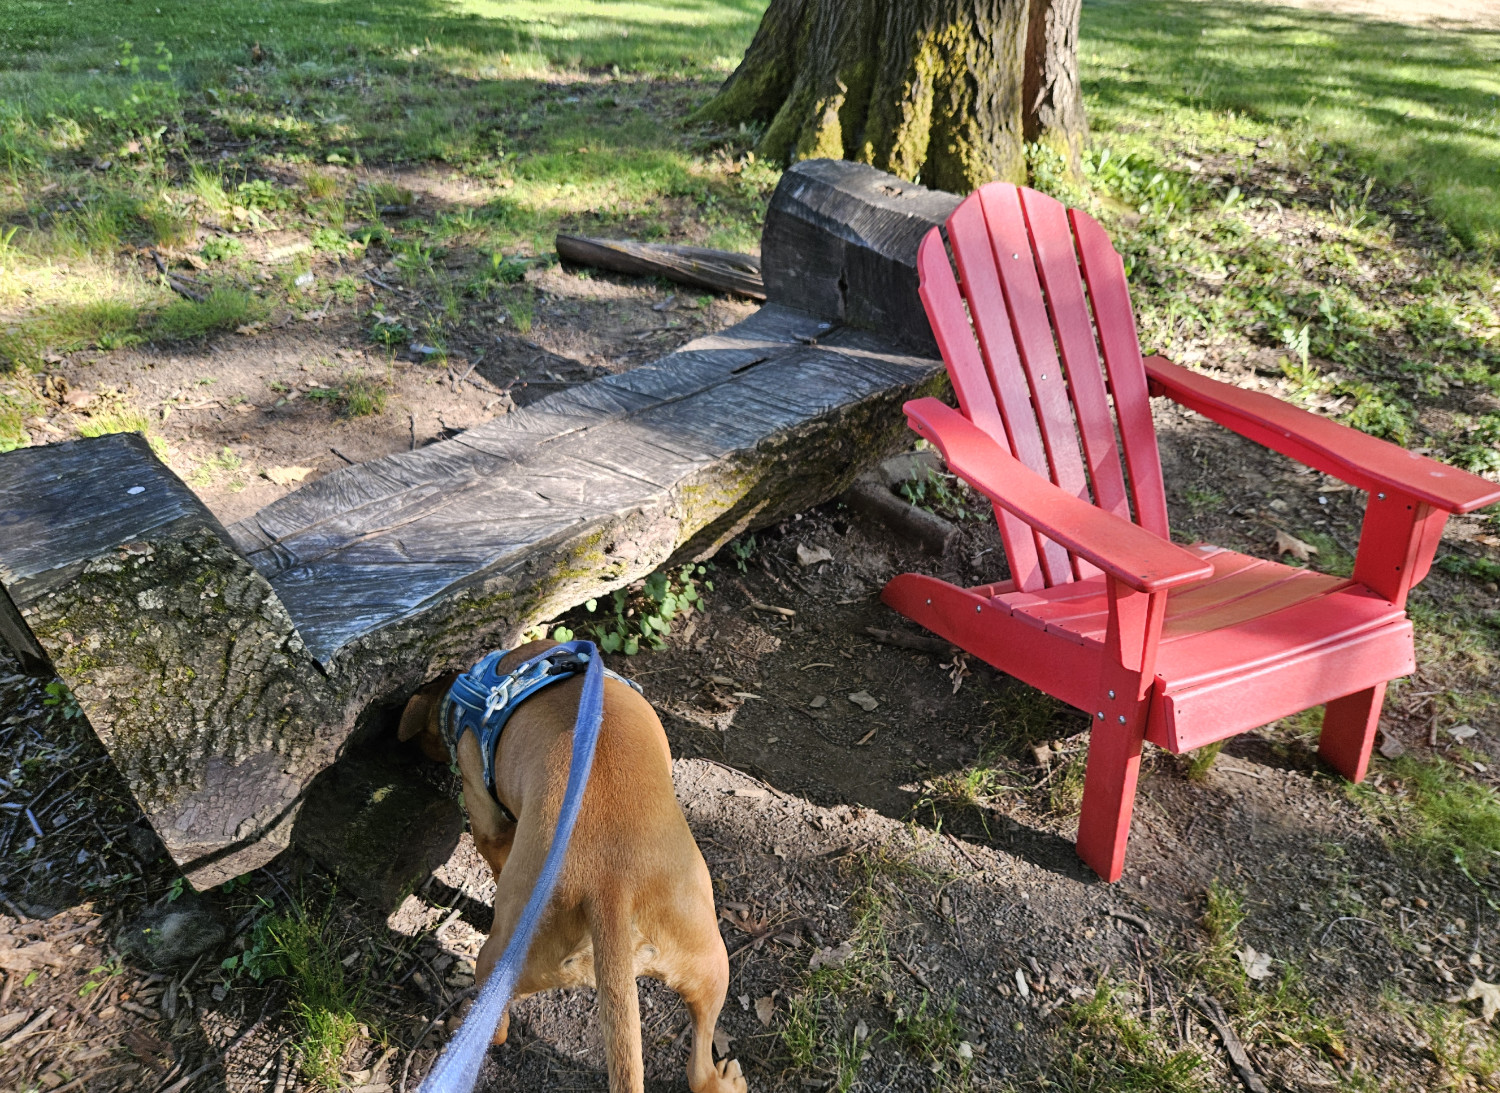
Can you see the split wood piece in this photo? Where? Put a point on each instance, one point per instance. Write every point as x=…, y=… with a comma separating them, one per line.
x=841, y=241
x=720, y=270
x=919, y=642
x=926, y=529
x=1238, y=1059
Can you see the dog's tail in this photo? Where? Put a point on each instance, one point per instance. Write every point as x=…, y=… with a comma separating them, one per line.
x=612, y=925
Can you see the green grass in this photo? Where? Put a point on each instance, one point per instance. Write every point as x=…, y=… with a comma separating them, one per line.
x=326, y=996
x=355, y=394
x=223, y=309
x=1438, y=811
x=1406, y=105
x=1114, y=1050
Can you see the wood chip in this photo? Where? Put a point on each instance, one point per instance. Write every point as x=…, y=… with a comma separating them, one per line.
x=285, y=476
x=30, y=958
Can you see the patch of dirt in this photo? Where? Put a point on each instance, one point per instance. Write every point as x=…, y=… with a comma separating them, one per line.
x=246, y=418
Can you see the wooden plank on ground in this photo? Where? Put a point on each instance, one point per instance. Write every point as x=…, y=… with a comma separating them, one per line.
x=720, y=270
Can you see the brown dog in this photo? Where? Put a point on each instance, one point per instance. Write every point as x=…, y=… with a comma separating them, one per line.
x=634, y=897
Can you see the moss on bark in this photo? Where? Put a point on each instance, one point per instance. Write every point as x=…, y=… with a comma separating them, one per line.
x=929, y=90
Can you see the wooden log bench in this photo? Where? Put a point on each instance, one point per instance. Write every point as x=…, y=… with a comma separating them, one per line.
x=225, y=668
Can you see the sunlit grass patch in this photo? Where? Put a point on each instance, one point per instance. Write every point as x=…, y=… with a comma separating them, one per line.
x=112, y=412
x=327, y=996
x=355, y=394
x=1114, y=1049
x=224, y=308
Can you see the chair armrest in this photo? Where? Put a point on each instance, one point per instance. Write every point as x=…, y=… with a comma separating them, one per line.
x=1357, y=458
x=1136, y=557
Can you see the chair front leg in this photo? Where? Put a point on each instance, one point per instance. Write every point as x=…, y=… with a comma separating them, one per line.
x=1119, y=728
x=1348, y=735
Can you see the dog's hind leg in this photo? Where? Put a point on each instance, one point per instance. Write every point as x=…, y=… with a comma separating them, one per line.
x=701, y=980
x=619, y=1002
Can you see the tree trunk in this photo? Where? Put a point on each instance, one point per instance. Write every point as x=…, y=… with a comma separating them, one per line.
x=930, y=90
x=1052, y=97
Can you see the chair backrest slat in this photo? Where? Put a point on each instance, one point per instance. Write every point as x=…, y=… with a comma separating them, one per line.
x=1007, y=380
x=1057, y=262
x=971, y=383
x=1114, y=318
x=1040, y=280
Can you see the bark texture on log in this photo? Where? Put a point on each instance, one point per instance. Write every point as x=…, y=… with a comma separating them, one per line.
x=924, y=89
x=929, y=90
x=720, y=270
x=179, y=653
x=1052, y=96
x=225, y=669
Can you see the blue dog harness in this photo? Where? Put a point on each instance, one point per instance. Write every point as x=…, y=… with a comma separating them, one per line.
x=481, y=700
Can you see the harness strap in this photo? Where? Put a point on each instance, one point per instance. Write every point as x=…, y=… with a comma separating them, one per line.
x=481, y=700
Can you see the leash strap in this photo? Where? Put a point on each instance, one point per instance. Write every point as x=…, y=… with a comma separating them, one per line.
x=457, y=1069
x=481, y=700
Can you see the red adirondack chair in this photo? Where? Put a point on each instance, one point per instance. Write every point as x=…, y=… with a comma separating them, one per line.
x=1178, y=645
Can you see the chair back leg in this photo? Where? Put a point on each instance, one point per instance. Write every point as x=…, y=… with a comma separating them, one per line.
x=1114, y=765
x=1348, y=735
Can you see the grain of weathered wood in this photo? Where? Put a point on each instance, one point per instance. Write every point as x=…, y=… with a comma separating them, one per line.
x=841, y=241
x=720, y=270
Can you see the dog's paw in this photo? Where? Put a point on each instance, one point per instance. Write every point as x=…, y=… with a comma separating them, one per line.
x=727, y=1079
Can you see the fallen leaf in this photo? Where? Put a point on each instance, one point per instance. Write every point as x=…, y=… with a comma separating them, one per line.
x=78, y=398
x=721, y=1042
x=1390, y=746
x=835, y=957
x=1256, y=965
x=29, y=958
x=1290, y=544
x=1459, y=732
x=285, y=476
x=818, y=701
x=744, y=1001
x=1488, y=995
x=807, y=556
x=245, y=407
x=861, y=1030
x=864, y=700
x=1043, y=756
x=764, y=1008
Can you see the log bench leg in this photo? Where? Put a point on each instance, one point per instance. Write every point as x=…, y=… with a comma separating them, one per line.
x=1348, y=735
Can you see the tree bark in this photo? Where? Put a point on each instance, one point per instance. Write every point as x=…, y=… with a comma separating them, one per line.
x=933, y=91
x=1053, y=100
